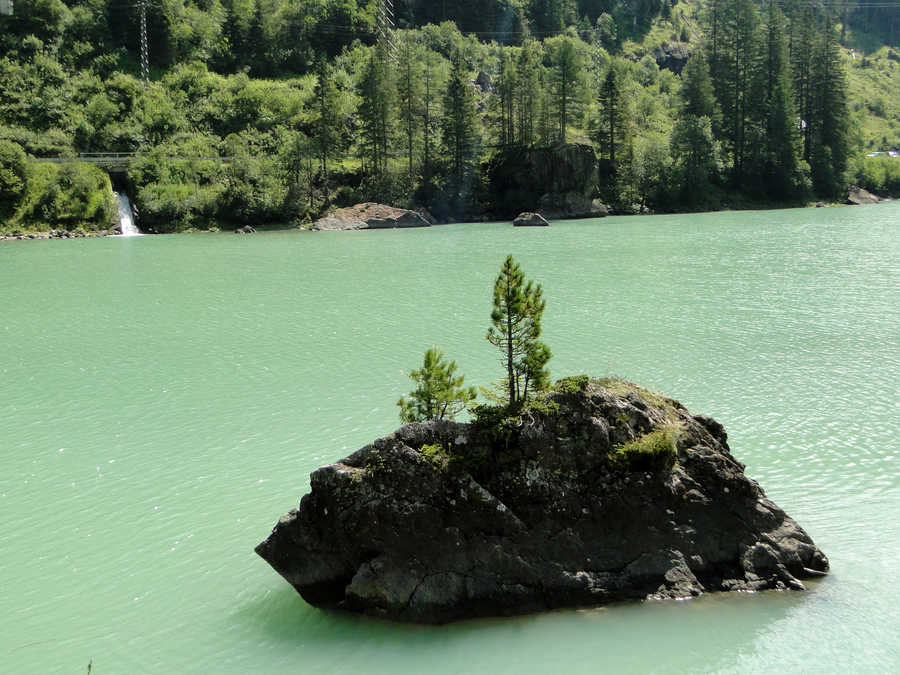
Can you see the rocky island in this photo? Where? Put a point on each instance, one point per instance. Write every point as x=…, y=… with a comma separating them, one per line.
x=598, y=491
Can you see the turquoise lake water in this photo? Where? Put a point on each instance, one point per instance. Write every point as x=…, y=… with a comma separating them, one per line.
x=164, y=399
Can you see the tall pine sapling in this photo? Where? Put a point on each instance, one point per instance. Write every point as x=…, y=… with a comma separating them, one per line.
x=516, y=319
x=439, y=393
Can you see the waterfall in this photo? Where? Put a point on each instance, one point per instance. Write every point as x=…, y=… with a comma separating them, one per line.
x=126, y=216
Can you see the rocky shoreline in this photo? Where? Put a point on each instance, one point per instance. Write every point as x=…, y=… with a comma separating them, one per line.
x=603, y=491
x=18, y=235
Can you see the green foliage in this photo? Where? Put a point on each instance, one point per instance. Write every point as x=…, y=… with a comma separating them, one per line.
x=612, y=128
x=565, y=76
x=880, y=175
x=436, y=454
x=327, y=127
x=458, y=129
x=68, y=84
x=573, y=384
x=829, y=147
x=375, y=111
x=71, y=196
x=12, y=176
x=516, y=318
x=439, y=393
x=654, y=451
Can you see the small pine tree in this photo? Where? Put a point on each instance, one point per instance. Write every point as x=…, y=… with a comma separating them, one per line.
x=439, y=393
x=516, y=319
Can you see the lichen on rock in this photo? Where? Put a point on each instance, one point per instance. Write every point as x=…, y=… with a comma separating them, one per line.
x=602, y=491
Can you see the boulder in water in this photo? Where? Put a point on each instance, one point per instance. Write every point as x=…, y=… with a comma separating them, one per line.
x=530, y=220
x=603, y=491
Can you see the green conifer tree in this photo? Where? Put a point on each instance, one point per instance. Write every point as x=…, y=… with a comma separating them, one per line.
x=697, y=94
x=439, y=392
x=778, y=146
x=327, y=127
x=739, y=59
x=567, y=68
x=458, y=127
x=528, y=84
x=803, y=40
x=612, y=125
x=410, y=90
x=516, y=318
x=506, y=88
x=829, y=121
x=375, y=112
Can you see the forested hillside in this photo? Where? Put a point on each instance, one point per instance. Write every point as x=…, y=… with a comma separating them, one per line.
x=259, y=111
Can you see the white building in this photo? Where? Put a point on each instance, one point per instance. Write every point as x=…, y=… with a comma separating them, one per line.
x=6, y=7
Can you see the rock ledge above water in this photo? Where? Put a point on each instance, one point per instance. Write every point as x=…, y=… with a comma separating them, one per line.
x=605, y=491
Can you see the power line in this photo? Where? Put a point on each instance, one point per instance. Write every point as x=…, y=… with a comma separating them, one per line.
x=145, y=51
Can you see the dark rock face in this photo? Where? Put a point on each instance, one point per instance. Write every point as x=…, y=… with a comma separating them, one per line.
x=571, y=205
x=519, y=176
x=442, y=521
x=530, y=220
x=246, y=229
x=370, y=216
x=672, y=56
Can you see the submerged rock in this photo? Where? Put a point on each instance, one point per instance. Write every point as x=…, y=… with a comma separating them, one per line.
x=370, y=216
x=604, y=491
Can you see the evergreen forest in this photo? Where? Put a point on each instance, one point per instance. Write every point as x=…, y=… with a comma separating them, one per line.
x=275, y=111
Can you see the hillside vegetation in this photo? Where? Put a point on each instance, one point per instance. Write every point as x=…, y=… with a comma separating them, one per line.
x=687, y=105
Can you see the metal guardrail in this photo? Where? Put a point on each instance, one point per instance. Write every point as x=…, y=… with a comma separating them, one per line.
x=120, y=158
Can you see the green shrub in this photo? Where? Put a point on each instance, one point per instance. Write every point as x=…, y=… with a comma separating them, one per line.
x=654, y=451
x=880, y=175
x=572, y=385
x=12, y=175
x=436, y=454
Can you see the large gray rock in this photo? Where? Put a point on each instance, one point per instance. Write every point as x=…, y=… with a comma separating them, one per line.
x=530, y=220
x=442, y=521
x=370, y=216
x=859, y=197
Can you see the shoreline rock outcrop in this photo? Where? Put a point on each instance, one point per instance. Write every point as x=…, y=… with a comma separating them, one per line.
x=602, y=491
x=370, y=216
x=861, y=197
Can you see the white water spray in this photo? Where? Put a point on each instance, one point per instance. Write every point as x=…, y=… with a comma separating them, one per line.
x=126, y=216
